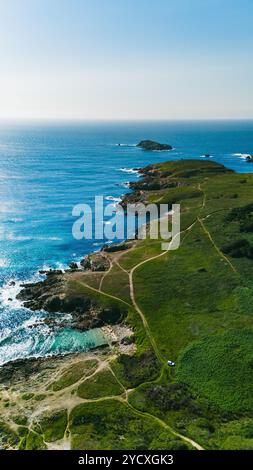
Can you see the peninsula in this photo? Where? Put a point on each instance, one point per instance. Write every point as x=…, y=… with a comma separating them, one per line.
x=191, y=307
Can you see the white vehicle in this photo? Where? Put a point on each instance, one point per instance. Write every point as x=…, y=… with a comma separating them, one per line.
x=171, y=363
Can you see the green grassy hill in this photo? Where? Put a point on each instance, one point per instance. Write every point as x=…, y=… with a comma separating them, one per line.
x=193, y=305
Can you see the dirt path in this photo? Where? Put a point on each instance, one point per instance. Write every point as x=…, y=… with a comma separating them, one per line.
x=155, y=418
x=215, y=246
x=103, y=293
x=105, y=274
x=62, y=398
x=132, y=295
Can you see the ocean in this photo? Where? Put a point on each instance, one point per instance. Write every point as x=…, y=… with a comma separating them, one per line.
x=47, y=168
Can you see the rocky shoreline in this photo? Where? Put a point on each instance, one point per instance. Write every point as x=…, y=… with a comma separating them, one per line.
x=152, y=179
x=52, y=295
x=85, y=312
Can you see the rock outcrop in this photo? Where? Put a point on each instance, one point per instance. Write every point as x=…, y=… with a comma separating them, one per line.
x=95, y=262
x=54, y=296
x=114, y=247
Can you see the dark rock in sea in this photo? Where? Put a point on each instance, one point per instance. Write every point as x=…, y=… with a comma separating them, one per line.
x=73, y=266
x=12, y=283
x=152, y=145
x=50, y=271
x=54, y=296
x=249, y=158
x=53, y=272
x=207, y=155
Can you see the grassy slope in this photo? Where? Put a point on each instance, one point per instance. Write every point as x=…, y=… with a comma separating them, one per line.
x=197, y=303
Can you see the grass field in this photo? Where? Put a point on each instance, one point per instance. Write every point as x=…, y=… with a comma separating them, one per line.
x=217, y=366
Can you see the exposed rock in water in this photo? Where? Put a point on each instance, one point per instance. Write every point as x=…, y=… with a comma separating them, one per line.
x=73, y=266
x=54, y=296
x=53, y=272
x=152, y=179
x=152, y=145
x=249, y=158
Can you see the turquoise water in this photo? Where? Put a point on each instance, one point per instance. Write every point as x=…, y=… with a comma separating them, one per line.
x=45, y=169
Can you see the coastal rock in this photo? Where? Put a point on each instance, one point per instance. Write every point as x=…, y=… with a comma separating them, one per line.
x=53, y=272
x=133, y=198
x=95, y=262
x=152, y=183
x=114, y=247
x=50, y=271
x=152, y=179
x=73, y=266
x=152, y=145
x=249, y=159
x=86, y=263
x=35, y=295
x=53, y=295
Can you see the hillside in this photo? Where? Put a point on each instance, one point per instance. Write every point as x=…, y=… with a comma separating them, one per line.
x=192, y=306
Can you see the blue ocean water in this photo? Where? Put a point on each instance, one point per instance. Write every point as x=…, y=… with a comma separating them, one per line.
x=45, y=169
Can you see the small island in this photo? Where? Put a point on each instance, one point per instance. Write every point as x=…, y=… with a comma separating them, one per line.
x=152, y=145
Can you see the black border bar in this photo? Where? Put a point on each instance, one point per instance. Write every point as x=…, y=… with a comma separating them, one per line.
x=125, y=459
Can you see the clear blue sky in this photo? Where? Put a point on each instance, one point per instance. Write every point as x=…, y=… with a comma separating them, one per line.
x=106, y=59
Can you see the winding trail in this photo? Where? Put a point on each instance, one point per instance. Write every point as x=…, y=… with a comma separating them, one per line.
x=215, y=246
x=105, y=274
x=103, y=293
x=132, y=293
x=155, y=418
x=70, y=404
x=125, y=396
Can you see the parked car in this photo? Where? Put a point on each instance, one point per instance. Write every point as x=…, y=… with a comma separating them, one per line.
x=171, y=363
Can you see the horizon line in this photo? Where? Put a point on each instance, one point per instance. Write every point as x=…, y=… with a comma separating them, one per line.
x=79, y=120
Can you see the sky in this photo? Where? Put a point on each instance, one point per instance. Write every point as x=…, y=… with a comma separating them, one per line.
x=126, y=59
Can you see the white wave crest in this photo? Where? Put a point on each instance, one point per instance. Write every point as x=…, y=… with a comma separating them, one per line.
x=241, y=155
